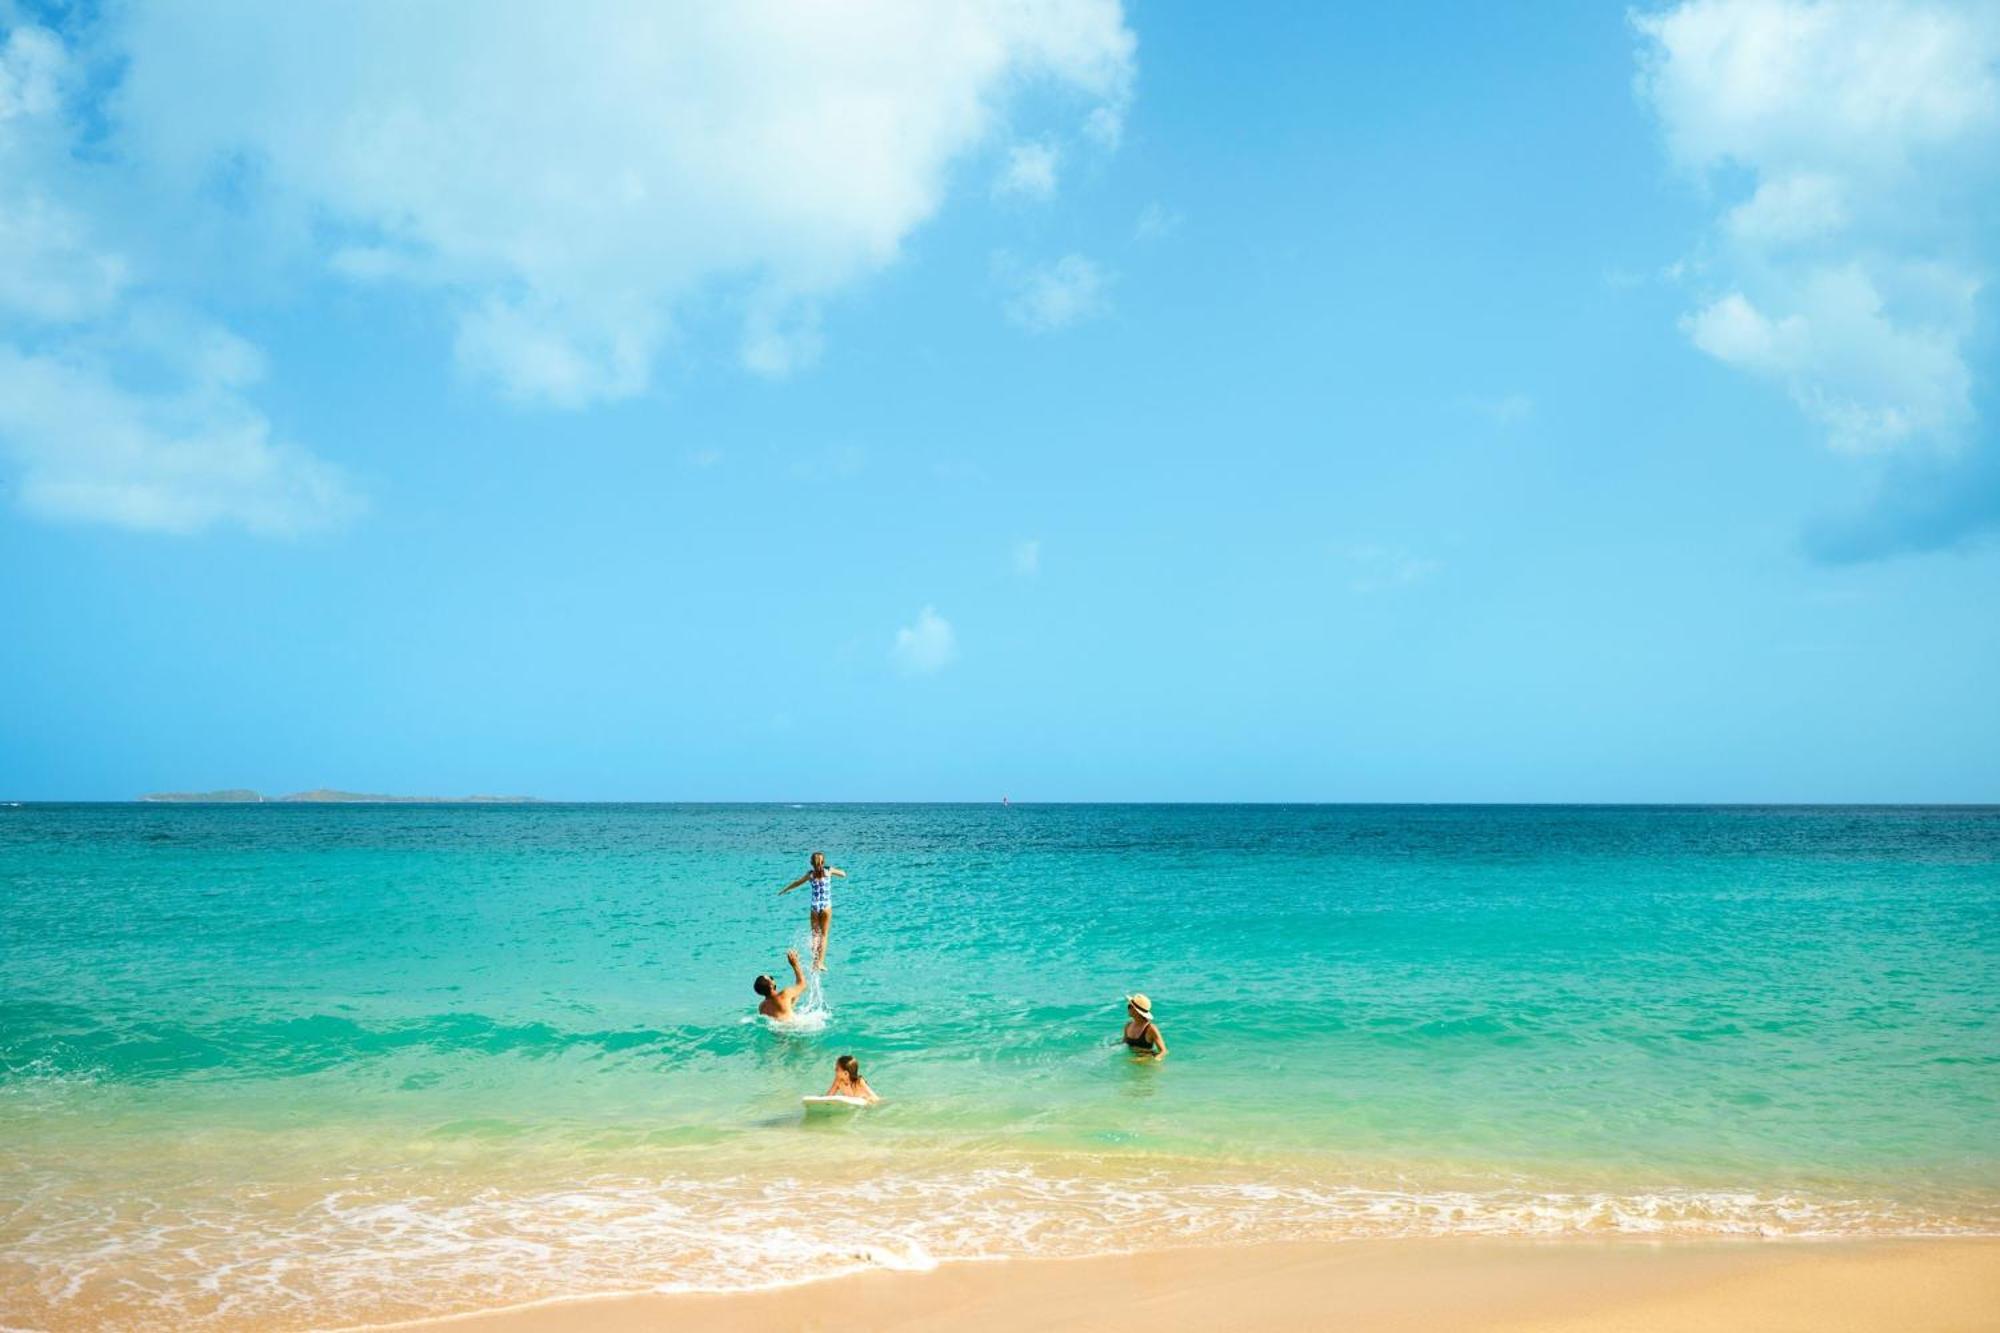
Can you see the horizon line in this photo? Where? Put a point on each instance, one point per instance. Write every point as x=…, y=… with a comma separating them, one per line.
x=519, y=803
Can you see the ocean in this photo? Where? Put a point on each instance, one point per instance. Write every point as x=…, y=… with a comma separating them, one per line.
x=296, y=1066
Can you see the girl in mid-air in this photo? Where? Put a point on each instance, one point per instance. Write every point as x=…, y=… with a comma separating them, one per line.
x=820, y=905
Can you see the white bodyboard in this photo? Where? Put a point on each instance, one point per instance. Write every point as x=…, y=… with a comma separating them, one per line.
x=816, y=1106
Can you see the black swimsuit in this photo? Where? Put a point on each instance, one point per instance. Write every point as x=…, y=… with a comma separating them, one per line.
x=1140, y=1043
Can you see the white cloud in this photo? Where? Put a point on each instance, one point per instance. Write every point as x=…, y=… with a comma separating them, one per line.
x=1507, y=409
x=89, y=449
x=1845, y=86
x=960, y=472
x=1870, y=381
x=535, y=353
x=1384, y=568
x=581, y=189
x=576, y=181
x=49, y=271
x=1788, y=209
x=828, y=464
x=1053, y=296
x=927, y=646
x=1850, y=273
x=1156, y=223
x=33, y=67
x=1030, y=171
x=1105, y=125
x=1731, y=329
x=1028, y=556
x=116, y=407
x=780, y=337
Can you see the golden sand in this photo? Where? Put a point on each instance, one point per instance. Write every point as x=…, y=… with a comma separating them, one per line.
x=1554, y=1287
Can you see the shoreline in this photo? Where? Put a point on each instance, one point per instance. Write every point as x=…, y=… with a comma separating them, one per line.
x=1502, y=1284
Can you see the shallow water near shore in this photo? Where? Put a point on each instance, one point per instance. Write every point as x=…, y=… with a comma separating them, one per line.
x=302, y=1066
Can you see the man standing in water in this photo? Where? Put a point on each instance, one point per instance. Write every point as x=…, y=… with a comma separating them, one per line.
x=778, y=1003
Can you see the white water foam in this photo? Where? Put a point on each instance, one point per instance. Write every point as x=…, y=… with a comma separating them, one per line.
x=353, y=1256
x=813, y=1011
x=802, y=1021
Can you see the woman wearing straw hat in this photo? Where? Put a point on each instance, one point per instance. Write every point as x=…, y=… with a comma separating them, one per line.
x=1142, y=1034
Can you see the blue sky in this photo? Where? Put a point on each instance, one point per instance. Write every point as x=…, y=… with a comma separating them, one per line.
x=918, y=401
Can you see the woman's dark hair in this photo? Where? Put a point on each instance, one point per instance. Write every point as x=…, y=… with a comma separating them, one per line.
x=763, y=985
x=850, y=1064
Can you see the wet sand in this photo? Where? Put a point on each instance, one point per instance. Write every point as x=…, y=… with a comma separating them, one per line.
x=1553, y=1287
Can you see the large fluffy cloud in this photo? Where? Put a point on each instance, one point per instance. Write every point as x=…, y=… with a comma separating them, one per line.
x=578, y=179
x=1851, y=150
x=581, y=186
x=180, y=461
x=115, y=405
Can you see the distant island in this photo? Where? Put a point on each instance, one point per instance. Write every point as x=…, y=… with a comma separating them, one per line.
x=327, y=796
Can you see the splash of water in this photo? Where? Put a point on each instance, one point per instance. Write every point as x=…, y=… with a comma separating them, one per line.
x=813, y=1011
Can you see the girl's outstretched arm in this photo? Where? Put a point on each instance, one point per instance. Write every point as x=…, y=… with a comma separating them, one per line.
x=793, y=885
x=836, y=870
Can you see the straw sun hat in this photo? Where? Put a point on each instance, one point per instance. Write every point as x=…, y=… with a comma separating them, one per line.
x=1139, y=1001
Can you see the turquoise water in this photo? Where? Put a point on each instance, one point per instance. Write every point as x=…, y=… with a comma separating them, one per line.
x=292, y=1066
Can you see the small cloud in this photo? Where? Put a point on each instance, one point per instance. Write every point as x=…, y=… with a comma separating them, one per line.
x=835, y=464
x=1384, y=568
x=1156, y=223
x=1105, y=127
x=33, y=68
x=703, y=457
x=1028, y=556
x=1788, y=209
x=535, y=359
x=960, y=472
x=1030, y=172
x=926, y=647
x=781, y=337
x=1508, y=409
x=1871, y=382
x=1054, y=296
x=375, y=263
x=52, y=271
x=171, y=460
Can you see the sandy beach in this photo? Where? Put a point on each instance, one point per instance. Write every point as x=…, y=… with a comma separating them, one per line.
x=1554, y=1287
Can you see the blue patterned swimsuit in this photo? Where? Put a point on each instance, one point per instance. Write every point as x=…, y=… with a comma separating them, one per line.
x=821, y=888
